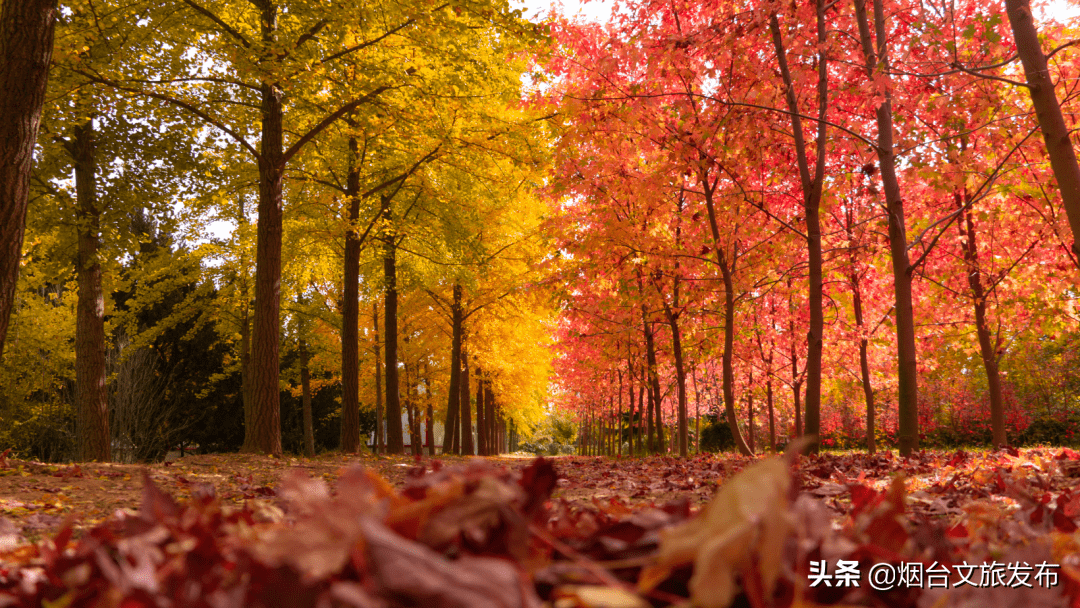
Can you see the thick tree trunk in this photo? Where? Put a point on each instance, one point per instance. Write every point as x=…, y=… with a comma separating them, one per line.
x=380, y=445
x=305, y=388
x=987, y=349
x=466, y=407
x=264, y=435
x=350, y=313
x=394, y=439
x=908, y=406
x=453, y=404
x=26, y=42
x=91, y=396
x=1056, y=134
x=812, y=190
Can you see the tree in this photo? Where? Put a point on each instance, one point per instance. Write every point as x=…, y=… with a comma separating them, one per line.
x=26, y=42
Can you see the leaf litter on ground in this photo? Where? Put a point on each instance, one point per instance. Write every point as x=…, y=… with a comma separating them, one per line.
x=573, y=532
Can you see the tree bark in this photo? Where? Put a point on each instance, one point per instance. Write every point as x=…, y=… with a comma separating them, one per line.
x=812, y=190
x=864, y=341
x=654, y=387
x=466, y=407
x=491, y=416
x=394, y=440
x=264, y=435
x=630, y=388
x=91, y=395
x=1055, y=133
x=987, y=349
x=481, y=416
x=908, y=398
x=680, y=373
x=379, y=423
x=453, y=404
x=350, y=313
x=26, y=42
x=430, y=417
x=726, y=272
x=305, y=388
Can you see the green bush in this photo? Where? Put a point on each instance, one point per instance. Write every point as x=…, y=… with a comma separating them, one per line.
x=717, y=437
x=1050, y=431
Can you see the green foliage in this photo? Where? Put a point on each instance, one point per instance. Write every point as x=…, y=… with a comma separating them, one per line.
x=717, y=437
x=554, y=435
x=1063, y=431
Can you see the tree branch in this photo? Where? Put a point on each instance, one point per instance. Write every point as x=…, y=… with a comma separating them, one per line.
x=224, y=26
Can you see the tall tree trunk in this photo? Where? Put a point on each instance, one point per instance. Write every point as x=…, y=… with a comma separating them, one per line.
x=987, y=348
x=92, y=399
x=350, y=313
x=491, y=416
x=1056, y=134
x=697, y=414
x=379, y=424
x=26, y=43
x=266, y=409
x=481, y=416
x=772, y=417
x=466, y=407
x=750, y=410
x=394, y=439
x=654, y=387
x=650, y=409
x=630, y=388
x=453, y=404
x=430, y=417
x=305, y=388
x=680, y=372
x=812, y=189
x=245, y=337
x=908, y=398
x=619, y=431
x=864, y=340
x=726, y=271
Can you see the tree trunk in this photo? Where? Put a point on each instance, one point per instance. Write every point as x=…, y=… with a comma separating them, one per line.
x=680, y=373
x=481, y=416
x=864, y=341
x=305, y=387
x=453, y=403
x=92, y=399
x=654, y=387
x=394, y=439
x=619, y=419
x=1055, y=133
x=812, y=190
x=750, y=410
x=265, y=430
x=491, y=416
x=987, y=349
x=466, y=407
x=772, y=417
x=908, y=406
x=726, y=271
x=796, y=381
x=379, y=424
x=630, y=388
x=350, y=313
x=26, y=42
x=430, y=417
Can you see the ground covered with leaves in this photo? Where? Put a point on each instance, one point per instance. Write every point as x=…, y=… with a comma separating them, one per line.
x=938, y=529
